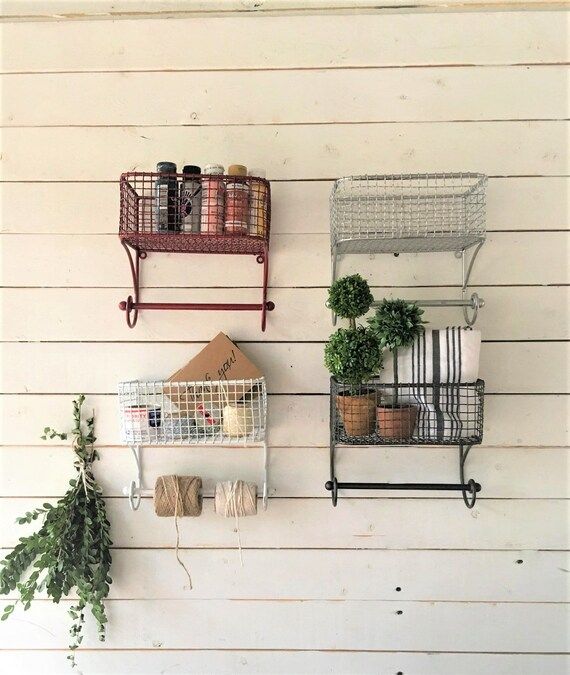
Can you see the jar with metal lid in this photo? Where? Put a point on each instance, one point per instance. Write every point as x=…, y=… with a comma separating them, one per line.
x=167, y=214
x=190, y=198
x=237, y=201
x=258, y=203
x=213, y=200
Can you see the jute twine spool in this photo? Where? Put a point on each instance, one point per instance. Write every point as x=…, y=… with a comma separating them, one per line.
x=178, y=496
x=235, y=499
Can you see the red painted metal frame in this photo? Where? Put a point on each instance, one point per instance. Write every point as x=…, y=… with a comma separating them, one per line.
x=138, y=238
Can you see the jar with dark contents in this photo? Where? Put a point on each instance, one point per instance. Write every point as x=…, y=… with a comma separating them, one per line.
x=167, y=214
x=190, y=198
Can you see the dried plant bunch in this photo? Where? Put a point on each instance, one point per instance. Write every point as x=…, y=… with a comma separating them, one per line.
x=71, y=550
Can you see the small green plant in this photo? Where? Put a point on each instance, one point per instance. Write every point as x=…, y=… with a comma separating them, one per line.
x=397, y=323
x=350, y=297
x=353, y=355
x=71, y=550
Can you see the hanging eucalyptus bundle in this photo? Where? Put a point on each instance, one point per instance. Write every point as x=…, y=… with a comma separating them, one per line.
x=71, y=550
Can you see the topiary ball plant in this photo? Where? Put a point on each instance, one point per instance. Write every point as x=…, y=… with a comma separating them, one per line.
x=397, y=323
x=350, y=297
x=353, y=355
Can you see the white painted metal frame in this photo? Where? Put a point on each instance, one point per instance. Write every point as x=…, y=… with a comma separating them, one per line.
x=224, y=412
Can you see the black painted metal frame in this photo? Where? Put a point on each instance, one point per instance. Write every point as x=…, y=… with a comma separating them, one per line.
x=469, y=489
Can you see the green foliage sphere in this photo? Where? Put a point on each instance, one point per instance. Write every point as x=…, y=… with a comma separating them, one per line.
x=353, y=355
x=397, y=323
x=350, y=297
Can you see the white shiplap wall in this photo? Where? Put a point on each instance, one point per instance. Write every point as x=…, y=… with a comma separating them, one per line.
x=311, y=98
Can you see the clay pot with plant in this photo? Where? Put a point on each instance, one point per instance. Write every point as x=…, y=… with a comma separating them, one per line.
x=353, y=355
x=396, y=323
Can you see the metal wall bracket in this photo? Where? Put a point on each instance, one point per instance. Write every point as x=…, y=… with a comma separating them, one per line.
x=468, y=489
x=472, y=303
x=135, y=490
x=132, y=305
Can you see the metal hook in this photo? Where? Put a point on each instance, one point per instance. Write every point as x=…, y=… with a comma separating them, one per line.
x=333, y=277
x=133, y=492
x=332, y=486
x=476, y=304
x=468, y=497
x=476, y=301
x=265, y=476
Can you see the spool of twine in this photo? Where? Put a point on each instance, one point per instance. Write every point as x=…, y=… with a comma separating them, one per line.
x=238, y=420
x=178, y=496
x=235, y=499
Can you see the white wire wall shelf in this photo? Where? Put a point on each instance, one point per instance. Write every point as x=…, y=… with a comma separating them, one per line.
x=412, y=213
x=218, y=412
x=434, y=414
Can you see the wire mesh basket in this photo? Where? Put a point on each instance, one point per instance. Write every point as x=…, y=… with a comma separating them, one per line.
x=197, y=213
x=407, y=414
x=408, y=213
x=223, y=412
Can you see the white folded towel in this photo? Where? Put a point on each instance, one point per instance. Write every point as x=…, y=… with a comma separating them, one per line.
x=447, y=356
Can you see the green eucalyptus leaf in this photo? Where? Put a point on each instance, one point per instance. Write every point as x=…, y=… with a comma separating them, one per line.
x=71, y=548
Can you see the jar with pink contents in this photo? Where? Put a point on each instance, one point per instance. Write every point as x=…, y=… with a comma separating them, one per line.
x=213, y=200
x=237, y=201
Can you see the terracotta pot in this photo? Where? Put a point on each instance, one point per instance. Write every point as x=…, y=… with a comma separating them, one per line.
x=396, y=421
x=358, y=412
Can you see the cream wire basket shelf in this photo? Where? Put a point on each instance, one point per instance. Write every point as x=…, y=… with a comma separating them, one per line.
x=411, y=213
x=217, y=412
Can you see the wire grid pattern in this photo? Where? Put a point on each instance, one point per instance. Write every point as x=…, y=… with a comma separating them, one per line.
x=222, y=412
x=408, y=213
x=407, y=414
x=195, y=214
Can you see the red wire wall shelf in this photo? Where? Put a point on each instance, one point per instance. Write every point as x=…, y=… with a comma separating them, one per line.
x=233, y=221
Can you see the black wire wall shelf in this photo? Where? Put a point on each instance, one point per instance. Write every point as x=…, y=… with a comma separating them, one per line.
x=434, y=414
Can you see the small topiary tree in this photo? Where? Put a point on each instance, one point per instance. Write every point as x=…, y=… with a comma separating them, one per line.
x=350, y=297
x=396, y=323
x=353, y=355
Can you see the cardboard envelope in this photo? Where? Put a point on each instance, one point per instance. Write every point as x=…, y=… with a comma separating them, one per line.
x=221, y=360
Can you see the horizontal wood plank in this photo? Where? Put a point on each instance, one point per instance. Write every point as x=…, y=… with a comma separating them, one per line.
x=78, y=10
x=296, y=206
x=230, y=662
x=397, y=39
x=537, y=524
x=294, y=421
x=341, y=625
x=312, y=96
x=505, y=473
x=538, y=315
x=290, y=368
x=297, y=151
x=296, y=260
x=401, y=576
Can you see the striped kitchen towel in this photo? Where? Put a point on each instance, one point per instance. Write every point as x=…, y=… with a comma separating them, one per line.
x=436, y=367
x=448, y=355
